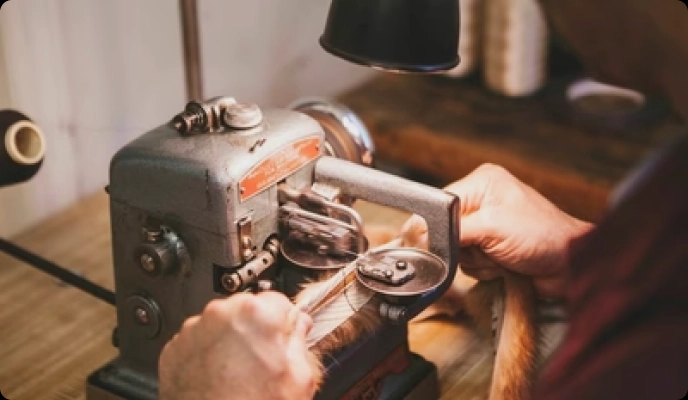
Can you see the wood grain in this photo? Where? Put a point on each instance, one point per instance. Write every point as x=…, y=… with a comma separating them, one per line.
x=446, y=128
x=52, y=337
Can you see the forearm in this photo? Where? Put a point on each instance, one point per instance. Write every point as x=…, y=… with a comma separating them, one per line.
x=638, y=44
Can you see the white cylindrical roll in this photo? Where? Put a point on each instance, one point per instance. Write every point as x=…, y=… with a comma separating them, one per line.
x=25, y=143
x=515, y=47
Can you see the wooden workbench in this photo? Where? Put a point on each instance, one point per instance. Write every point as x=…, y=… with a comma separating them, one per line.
x=444, y=128
x=52, y=336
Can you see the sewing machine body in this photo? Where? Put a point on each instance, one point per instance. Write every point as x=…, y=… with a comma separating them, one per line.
x=198, y=216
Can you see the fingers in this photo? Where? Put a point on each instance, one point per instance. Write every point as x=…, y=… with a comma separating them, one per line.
x=474, y=229
x=482, y=274
x=473, y=187
x=475, y=263
x=414, y=233
x=264, y=314
x=299, y=323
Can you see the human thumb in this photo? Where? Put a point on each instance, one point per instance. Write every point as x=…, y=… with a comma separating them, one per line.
x=473, y=230
x=301, y=323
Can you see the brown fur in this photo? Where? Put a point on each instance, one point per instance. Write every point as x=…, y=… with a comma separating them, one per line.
x=365, y=321
x=516, y=352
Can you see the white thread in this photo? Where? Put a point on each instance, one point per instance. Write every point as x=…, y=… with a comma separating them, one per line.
x=337, y=311
x=341, y=306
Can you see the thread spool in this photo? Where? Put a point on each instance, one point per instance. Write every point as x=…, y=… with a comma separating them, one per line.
x=22, y=148
x=515, y=47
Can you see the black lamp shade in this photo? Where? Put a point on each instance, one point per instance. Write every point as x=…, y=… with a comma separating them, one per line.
x=401, y=35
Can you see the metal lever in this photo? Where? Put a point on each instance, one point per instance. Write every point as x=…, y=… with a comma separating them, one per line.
x=439, y=208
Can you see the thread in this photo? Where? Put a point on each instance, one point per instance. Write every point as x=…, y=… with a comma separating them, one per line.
x=22, y=148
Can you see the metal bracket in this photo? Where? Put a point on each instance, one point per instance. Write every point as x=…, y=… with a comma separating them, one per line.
x=244, y=230
x=387, y=270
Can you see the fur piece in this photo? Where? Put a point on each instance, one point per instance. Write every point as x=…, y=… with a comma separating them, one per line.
x=516, y=350
x=362, y=321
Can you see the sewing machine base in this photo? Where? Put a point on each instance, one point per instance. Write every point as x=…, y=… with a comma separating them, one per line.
x=418, y=381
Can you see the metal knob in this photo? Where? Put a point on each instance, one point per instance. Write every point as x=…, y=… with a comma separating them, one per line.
x=243, y=116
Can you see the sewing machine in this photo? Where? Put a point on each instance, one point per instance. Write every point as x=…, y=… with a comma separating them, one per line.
x=229, y=198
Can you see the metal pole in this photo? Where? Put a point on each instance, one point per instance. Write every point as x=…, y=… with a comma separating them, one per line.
x=57, y=271
x=192, y=49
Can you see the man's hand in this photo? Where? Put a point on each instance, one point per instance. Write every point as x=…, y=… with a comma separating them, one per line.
x=244, y=347
x=507, y=224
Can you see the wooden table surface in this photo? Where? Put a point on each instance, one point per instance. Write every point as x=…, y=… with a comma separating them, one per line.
x=52, y=336
x=445, y=128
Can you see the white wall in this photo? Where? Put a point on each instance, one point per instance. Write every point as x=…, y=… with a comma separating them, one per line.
x=96, y=74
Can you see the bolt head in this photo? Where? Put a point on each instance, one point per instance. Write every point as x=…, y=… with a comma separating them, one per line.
x=229, y=283
x=141, y=316
x=148, y=263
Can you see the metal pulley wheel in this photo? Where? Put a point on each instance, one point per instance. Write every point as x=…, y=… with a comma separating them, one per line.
x=345, y=135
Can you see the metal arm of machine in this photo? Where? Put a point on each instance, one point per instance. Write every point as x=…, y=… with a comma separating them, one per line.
x=439, y=208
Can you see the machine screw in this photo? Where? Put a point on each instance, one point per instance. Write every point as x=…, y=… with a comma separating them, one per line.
x=229, y=283
x=152, y=235
x=148, y=263
x=193, y=117
x=401, y=265
x=242, y=116
x=141, y=316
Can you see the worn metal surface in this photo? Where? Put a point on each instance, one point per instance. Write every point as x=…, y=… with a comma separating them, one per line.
x=191, y=184
x=54, y=336
x=214, y=192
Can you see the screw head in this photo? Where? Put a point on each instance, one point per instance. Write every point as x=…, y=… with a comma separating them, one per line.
x=141, y=316
x=147, y=262
x=152, y=235
x=229, y=283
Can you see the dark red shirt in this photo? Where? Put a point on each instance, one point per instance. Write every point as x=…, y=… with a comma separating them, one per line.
x=628, y=296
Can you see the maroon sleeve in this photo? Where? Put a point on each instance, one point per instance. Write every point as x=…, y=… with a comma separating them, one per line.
x=628, y=298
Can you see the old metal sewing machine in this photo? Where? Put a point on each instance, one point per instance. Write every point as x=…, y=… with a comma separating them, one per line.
x=228, y=198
